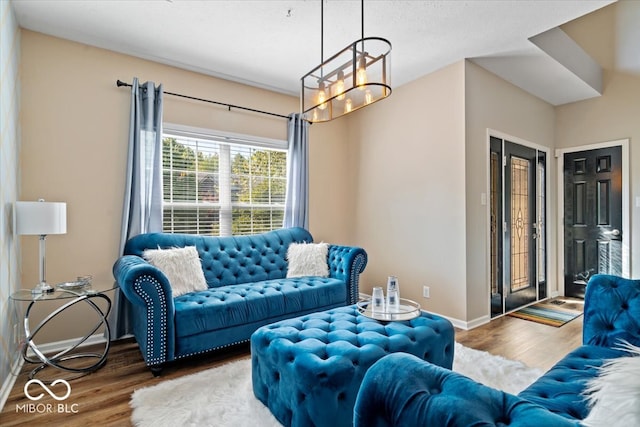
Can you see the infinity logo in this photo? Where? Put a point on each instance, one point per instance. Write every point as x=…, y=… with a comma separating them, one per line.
x=47, y=389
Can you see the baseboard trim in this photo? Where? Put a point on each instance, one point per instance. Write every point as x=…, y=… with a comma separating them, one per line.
x=56, y=346
x=10, y=381
x=461, y=324
x=478, y=322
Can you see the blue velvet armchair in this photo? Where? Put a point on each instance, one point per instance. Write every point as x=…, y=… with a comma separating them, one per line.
x=402, y=390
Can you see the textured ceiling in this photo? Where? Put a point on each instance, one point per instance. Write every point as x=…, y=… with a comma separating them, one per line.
x=271, y=44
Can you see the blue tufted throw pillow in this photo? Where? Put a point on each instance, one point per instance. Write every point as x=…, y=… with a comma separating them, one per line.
x=181, y=266
x=308, y=259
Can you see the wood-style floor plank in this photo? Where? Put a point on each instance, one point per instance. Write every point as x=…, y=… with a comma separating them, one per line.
x=102, y=398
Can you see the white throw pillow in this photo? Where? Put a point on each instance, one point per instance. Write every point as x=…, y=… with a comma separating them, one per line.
x=614, y=395
x=181, y=266
x=308, y=259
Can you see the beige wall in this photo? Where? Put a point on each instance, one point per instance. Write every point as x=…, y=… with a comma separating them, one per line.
x=331, y=194
x=9, y=187
x=409, y=165
x=74, y=130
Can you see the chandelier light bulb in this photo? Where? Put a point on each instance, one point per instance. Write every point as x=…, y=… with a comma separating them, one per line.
x=322, y=97
x=339, y=87
x=368, y=97
x=348, y=105
x=361, y=76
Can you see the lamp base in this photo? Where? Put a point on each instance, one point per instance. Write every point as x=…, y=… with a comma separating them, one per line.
x=42, y=288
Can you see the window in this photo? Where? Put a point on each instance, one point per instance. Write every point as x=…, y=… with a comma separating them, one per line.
x=222, y=184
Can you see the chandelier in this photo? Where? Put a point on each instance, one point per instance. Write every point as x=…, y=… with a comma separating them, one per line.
x=358, y=75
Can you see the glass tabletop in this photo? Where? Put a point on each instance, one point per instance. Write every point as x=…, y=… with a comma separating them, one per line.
x=58, y=293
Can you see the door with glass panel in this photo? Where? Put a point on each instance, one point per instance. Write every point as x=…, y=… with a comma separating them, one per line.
x=518, y=234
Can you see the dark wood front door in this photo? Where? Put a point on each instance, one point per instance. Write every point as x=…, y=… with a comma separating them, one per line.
x=592, y=216
x=518, y=231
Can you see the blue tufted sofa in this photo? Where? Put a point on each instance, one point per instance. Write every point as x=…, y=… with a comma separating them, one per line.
x=248, y=288
x=402, y=390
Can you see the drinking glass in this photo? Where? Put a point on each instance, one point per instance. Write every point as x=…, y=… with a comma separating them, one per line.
x=377, y=300
x=393, y=295
x=84, y=280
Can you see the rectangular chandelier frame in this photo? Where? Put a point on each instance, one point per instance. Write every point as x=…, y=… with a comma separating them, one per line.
x=357, y=76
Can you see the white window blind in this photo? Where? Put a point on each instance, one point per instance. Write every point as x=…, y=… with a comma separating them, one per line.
x=222, y=184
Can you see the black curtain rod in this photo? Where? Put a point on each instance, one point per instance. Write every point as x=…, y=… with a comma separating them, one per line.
x=120, y=83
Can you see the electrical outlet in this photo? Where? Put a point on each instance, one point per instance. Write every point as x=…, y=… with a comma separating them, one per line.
x=425, y=292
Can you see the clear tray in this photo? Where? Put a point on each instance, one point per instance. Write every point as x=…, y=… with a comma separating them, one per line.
x=408, y=310
x=72, y=286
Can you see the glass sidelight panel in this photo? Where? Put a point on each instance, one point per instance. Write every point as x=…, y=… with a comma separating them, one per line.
x=520, y=223
x=496, y=227
x=496, y=224
x=541, y=224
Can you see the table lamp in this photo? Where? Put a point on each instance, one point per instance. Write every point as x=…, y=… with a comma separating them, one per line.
x=40, y=218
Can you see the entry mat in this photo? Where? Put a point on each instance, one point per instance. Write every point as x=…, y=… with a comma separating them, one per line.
x=555, y=312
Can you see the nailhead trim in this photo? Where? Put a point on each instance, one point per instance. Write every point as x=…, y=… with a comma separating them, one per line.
x=213, y=349
x=153, y=357
x=358, y=266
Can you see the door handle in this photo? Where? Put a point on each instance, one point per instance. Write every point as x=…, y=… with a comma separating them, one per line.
x=614, y=232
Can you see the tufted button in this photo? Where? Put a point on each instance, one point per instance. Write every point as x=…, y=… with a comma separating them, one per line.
x=434, y=390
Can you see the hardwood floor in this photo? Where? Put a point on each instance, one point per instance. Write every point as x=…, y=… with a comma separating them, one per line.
x=102, y=398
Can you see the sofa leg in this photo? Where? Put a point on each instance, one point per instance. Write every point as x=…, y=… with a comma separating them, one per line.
x=156, y=370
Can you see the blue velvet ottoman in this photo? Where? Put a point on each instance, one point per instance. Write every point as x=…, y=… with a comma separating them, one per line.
x=308, y=370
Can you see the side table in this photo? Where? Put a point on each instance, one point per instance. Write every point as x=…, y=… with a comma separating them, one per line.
x=83, y=295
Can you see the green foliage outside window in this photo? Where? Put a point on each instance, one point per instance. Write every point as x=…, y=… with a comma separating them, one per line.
x=252, y=193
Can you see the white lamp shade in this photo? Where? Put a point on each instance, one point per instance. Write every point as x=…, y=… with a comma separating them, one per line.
x=40, y=218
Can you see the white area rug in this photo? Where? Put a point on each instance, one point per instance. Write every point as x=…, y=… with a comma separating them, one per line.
x=223, y=396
